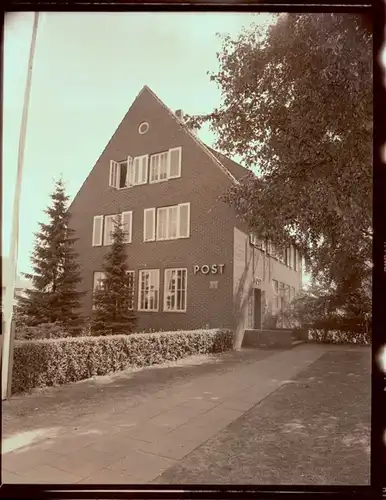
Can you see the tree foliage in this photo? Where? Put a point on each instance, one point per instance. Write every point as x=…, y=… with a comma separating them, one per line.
x=297, y=106
x=113, y=300
x=54, y=297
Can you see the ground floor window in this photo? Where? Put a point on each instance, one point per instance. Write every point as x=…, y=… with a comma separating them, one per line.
x=175, y=290
x=131, y=276
x=148, y=296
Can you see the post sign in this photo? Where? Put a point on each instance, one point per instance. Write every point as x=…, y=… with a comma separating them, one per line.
x=209, y=269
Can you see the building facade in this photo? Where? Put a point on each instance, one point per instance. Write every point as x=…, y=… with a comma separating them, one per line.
x=193, y=263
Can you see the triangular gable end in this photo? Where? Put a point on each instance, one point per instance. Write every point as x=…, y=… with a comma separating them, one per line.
x=184, y=128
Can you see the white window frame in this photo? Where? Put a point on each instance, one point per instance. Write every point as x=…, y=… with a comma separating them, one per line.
x=168, y=211
x=153, y=229
x=132, y=273
x=166, y=292
x=151, y=272
x=168, y=166
x=94, y=285
x=115, y=173
x=108, y=239
x=129, y=233
x=97, y=242
x=139, y=164
x=153, y=158
x=296, y=263
x=179, y=148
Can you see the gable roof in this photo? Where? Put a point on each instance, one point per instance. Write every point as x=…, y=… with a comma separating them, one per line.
x=234, y=168
x=210, y=152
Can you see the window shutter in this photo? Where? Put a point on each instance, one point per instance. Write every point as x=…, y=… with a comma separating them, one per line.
x=184, y=220
x=109, y=226
x=136, y=167
x=154, y=162
x=162, y=223
x=114, y=174
x=175, y=156
x=143, y=169
x=129, y=175
x=149, y=224
x=127, y=222
x=97, y=231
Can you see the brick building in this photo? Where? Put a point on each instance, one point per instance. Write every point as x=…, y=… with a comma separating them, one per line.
x=193, y=263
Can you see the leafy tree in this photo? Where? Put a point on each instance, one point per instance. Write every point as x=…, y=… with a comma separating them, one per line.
x=54, y=297
x=113, y=299
x=297, y=109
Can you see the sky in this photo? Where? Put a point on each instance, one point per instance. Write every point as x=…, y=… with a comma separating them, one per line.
x=88, y=69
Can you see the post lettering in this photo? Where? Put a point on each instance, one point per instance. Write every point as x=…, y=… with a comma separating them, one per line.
x=196, y=269
x=214, y=269
x=205, y=269
x=221, y=266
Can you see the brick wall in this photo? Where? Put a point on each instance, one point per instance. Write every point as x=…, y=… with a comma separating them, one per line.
x=212, y=222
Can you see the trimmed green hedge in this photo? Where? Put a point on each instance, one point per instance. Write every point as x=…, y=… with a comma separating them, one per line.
x=47, y=362
x=338, y=337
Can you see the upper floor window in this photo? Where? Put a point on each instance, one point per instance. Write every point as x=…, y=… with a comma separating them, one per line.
x=129, y=172
x=167, y=223
x=165, y=165
x=175, y=288
x=103, y=228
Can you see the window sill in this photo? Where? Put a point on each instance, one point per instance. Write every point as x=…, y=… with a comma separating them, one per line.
x=178, y=312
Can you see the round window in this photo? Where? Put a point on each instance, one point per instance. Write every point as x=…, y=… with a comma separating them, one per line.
x=143, y=128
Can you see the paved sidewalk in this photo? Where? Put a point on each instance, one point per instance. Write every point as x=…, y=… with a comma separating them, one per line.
x=134, y=427
x=314, y=430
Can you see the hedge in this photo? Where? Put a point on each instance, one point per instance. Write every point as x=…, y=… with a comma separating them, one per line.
x=339, y=337
x=47, y=362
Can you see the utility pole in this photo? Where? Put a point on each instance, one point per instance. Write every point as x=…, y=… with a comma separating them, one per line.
x=8, y=333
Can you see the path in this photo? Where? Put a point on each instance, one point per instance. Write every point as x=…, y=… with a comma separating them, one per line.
x=132, y=427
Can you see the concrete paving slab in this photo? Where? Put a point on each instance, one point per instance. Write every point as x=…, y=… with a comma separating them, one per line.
x=21, y=462
x=142, y=464
x=47, y=474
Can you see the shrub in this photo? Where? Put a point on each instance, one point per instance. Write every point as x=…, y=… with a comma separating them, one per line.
x=42, y=331
x=46, y=362
x=339, y=337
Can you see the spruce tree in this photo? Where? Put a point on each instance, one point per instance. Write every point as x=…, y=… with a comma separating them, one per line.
x=113, y=313
x=54, y=296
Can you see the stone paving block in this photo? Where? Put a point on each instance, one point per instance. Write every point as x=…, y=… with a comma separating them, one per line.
x=146, y=465
x=48, y=474
x=88, y=461
x=175, y=417
x=22, y=462
x=147, y=432
x=171, y=447
x=107, y=476
x=8, y=477
x=200, y=404
x=216, y=416
x=117, y=445
x=236, y=404
x=73, y=442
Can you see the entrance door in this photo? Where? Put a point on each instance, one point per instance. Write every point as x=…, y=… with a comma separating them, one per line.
x=257, y=309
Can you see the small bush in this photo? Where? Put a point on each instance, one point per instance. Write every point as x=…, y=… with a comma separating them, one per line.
x=339, y=337
x=47, y=362
x=42, y=331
